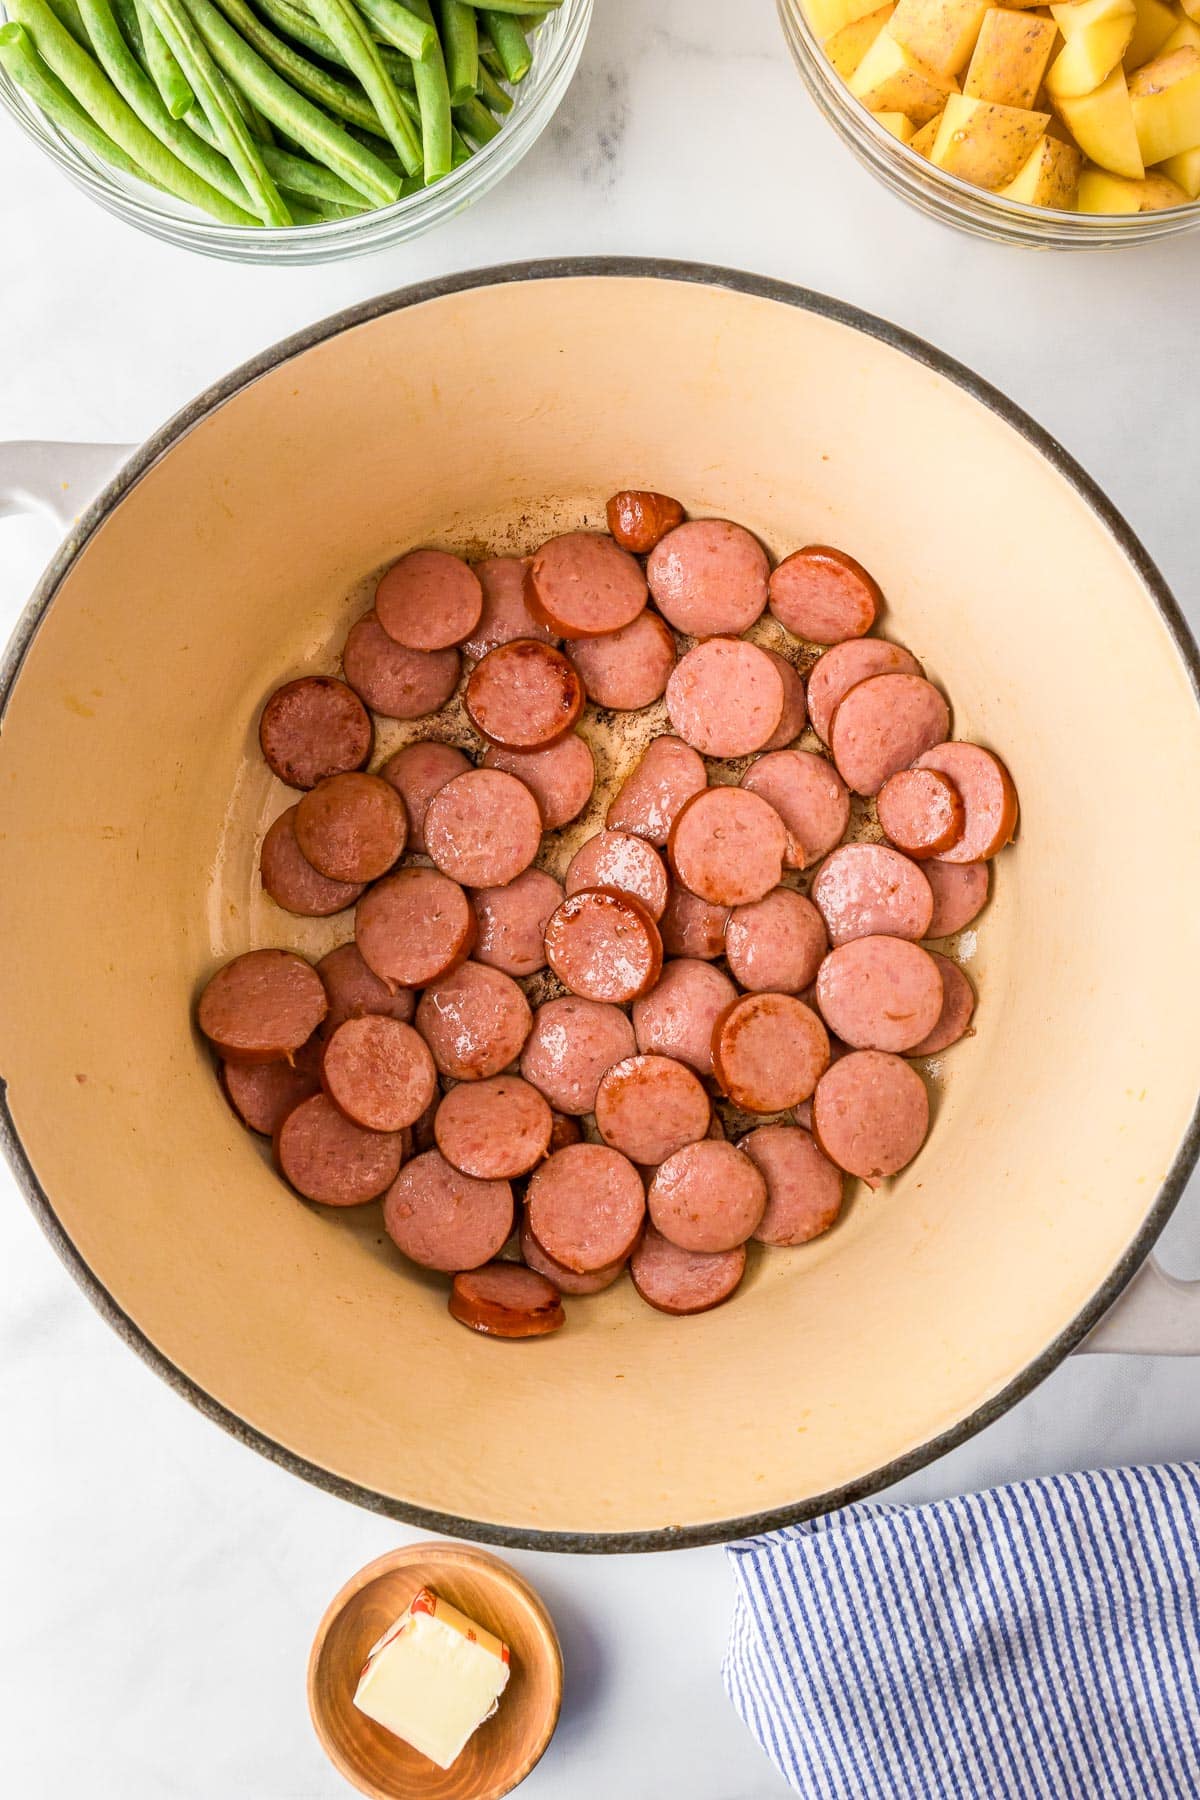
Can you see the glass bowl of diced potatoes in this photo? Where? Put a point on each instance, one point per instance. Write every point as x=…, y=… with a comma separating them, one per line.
x=1068, y=126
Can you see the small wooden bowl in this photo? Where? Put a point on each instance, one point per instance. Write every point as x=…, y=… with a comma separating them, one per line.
x=506, y=1747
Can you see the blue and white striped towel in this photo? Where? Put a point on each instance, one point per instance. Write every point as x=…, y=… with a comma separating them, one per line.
x=1036, y=1642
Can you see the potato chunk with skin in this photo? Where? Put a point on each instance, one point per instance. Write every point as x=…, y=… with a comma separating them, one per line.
x=1159, y=193
x=1102, y=192
x=828, y=16
x=1097, y=33
x=1186, y=32
x=984, y=143
x=847, y=47
x=1010, y=58
x=888, y=79
x=1049, y=178
x=939, y=33
x=922, y=141
x=1184, y=169
x=1102, y=125
x=1165, y=97
x=1153, y=26
x=898, y=125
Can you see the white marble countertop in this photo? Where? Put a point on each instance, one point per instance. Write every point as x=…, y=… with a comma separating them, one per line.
x=183, y=1574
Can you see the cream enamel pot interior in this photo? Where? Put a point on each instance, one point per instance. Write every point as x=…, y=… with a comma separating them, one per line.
x=230, y=554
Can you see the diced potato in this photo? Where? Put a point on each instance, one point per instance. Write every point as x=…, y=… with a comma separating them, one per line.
x=1165, y=97
x=923, y=140
x=1159, y=192
x=1102, y=125
x=1098, y=34
x=898, y=125
x=1184, y=168
x=1155, y=23
x=1192, y=9
x=847, y=47
x=1049, y=178
x=828, y=16
x=939, y=33
x=888, y=79
x=984, y=143
x=1185, y=32
x=1102, y=192
x=1010, y=58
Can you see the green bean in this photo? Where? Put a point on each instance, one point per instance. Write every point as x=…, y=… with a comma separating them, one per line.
x=95, y=93
x=300, y=176
x=299, y=25
x=509, y=42
x=460, y=47
x=234, y=138
x=67, y=13
x=397, y=24
x=341, y=22
x=35, y=78
x=309, y=211
x=131, y=28
x=476, y=122
x=525, y=9
x=161, y=66
x=490, y=91
x=282, y=104
x=341, y=98
x=433, y=97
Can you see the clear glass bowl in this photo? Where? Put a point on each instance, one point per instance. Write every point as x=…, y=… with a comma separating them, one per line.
x=557, y=48
x=944, y=196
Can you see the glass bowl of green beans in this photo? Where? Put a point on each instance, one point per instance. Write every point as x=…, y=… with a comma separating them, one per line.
x=282, y=131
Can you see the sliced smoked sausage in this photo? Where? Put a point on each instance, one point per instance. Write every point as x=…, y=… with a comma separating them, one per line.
x=649, y=800
x=921, y=811
x=263, y=1094
x=560, y=777
x=524, y=694
x=810, y=797
x=263, y=1006
x=564, y=1279
x=505, y=614
x=429, y=600
x=626, y=669
x=958, y=1006
x=475, y=1021
x=506, y=1300
x=393, y=680
x=618, y=859
x=960, y=892
x=988, y=796
x=584, y=585
x=870, y=890
x=638, y=517
x=312, y=728
x=884, y=724
x=329, y=1159
x=775, y=945
x=351, y=827
x=354, y=990
x=585, y=1207
x=707, y=1196
x=804, y=1189
x=691, y=926
x=571, y=1045
x=709, y=577
x=290, y=879
x=417, y=773
x=444, y=1219
x=414, y=926
x=648, y=1107
x=683, y=1281
x=378, y=1072
x=512, y=922
x=727, y=846
x=870, y=1114
x=725, y=697
x=795, y=711
x=880, y=993
x=843, y=667
x=823, y=595
x=495, y=1129
x=483, y=828
x=769, y=1052
x=677, y=1016
x=604, y=945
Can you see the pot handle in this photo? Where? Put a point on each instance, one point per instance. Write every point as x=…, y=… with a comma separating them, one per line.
x=1157, y=1315
x=55, y=478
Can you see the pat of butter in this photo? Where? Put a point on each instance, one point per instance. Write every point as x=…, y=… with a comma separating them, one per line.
x=433, y=1678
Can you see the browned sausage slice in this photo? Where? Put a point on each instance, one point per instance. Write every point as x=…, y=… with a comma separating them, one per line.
x=564, y=1130
x=649, y=800
x=560, y=777
x=638, y=517
x=648, y=1107
x=505, y=615
x=351, y=827
x=513, y=920
x=564, y=1279
x=676, y=1017
x=378, y=1072
x=691, y=926
x=880, y=993
x=393, y=680
x=727, y=845
x=262, y=1006
x=429, y=600
x=921, y=812
x=823, y=595
x=571, y=1045
x=709, y=577
x=843, y=667
x=290, y=879
x=618, y=859
x=795, y=711
x=494, y=1129
x=725, y=697
x=585, y=1207
x=604, y=946
x=313, y=728
x=960, y=891
x=776, y=944
x=483, y=828
x=988, y=796
x=444, y=1219
x=804, y=1189
x=584, y=585
x=684, y=1281
x=524, y=694
x=354, y=990
x=810, y=797
x=475, y=1021
x=769, y=1052
x=958, y=1006
x=506, y=1300
x=707, y=1196
x=870, y=1114
x=263, y=1094
x=884, y=724
x=414, y=926
x=417, y=773
x=329, y=1159
x=870, y=890
x=626, y=669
